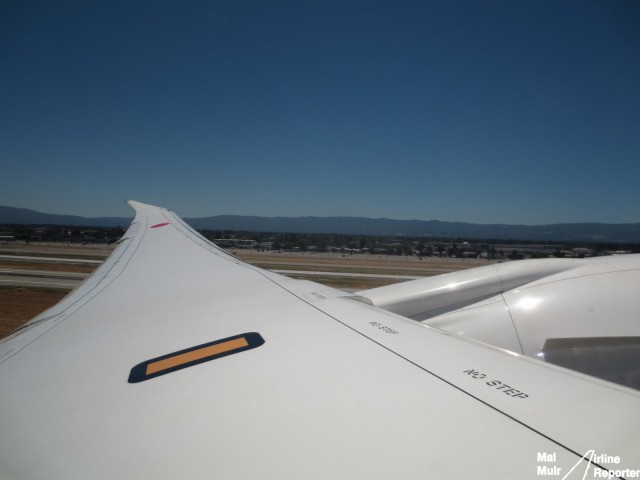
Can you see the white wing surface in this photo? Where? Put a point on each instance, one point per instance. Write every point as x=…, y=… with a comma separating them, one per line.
x=177, y=360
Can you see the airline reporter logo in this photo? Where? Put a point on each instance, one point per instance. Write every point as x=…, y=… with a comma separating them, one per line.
x=591, y=465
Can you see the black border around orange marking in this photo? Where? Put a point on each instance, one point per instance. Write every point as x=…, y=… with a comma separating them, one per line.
x=139, y=372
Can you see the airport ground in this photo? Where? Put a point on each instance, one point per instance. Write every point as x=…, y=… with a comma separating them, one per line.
x=33, y=277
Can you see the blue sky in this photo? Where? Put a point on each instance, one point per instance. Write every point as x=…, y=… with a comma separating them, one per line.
x=480, y=111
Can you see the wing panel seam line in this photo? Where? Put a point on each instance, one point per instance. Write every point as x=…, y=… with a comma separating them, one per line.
x=436, y=375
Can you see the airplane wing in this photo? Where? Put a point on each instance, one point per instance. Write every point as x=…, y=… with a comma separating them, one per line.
x=177, y=360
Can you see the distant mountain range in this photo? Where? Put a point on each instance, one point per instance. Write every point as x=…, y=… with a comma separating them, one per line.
x=578, y=232
x=12, y=215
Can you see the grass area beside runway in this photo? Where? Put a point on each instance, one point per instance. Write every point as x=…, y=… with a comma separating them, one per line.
x=18, y=305
x=347, y=283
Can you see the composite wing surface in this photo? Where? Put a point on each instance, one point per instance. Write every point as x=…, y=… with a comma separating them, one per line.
x=177, y=360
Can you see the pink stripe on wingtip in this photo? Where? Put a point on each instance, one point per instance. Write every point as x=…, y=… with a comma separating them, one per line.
x=157, y=225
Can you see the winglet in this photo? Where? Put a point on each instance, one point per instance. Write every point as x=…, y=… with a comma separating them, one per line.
x=144, y=208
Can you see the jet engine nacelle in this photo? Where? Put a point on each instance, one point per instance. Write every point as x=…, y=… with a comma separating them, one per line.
x=580, y=313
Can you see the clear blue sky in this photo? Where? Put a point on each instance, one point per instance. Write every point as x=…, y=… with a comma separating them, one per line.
x=480, y=111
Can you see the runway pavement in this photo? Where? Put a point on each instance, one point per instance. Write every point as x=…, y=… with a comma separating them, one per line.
x=40, y=278
x=37, y=277
x=76, y=261
x=297, y=273
x=70, y=280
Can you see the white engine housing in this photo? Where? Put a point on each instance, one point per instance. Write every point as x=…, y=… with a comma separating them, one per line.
x=579, y=313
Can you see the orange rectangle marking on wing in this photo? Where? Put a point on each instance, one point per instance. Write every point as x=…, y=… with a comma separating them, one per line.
x=196, y=355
